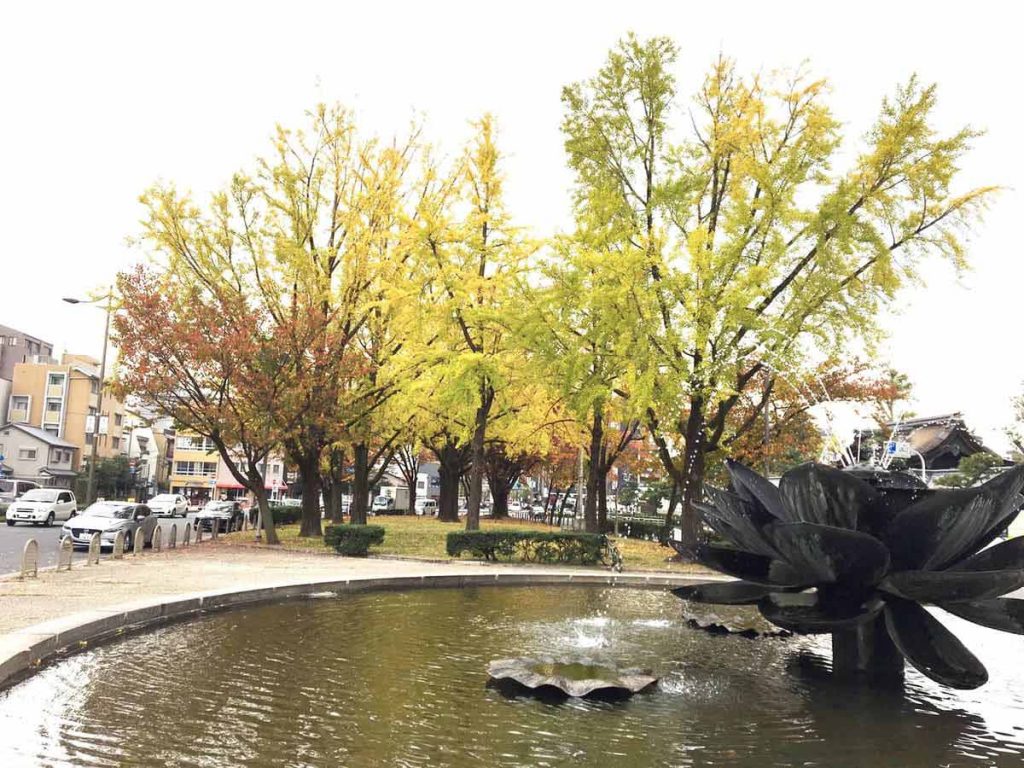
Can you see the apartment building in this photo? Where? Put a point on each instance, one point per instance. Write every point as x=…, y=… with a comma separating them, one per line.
x=17, y=347
x=62, y=399
x=149, y=447
x=200, y=475
x=194, y=468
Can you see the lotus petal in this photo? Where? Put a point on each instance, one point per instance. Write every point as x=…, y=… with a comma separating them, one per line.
x=952, y=586
x=815, y=493
x=821, y=554
x=1004, y=613
x=809, y=617
x=756, y=490
x=737, y=521
x=743, y=565
x=1008, y=555
x=723, y=592
x=946, y=526
x=931, y=648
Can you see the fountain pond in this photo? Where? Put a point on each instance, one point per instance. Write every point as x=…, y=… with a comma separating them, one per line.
x=400, y=679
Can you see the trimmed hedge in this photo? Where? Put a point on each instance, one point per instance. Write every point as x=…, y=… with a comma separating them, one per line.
x=285, y=515
x=531, y=546
x=353, y=540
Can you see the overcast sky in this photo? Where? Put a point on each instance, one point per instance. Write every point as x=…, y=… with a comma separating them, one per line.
x=99, y=100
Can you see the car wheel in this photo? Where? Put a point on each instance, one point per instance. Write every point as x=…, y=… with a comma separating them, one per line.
x=10, y=523
x=128, y=541
x=49, y=520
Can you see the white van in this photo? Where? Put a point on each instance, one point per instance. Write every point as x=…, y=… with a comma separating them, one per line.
x=426, y=506
x=11, y=489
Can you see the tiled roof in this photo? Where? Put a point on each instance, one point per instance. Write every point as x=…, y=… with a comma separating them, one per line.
x=40, y=434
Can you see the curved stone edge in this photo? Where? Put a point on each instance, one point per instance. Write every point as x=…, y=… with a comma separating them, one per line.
x=23, y=652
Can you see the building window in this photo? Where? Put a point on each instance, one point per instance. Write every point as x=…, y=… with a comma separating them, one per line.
x=94, y=386
x=56, y=380
x=19, y=403
x=118, y=419
x=26, y=453
x=195, y=468
x=116, y=442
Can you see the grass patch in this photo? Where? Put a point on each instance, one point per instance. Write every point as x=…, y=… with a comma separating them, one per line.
x=426, y=538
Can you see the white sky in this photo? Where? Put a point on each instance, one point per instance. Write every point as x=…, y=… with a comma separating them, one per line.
x=98, y=100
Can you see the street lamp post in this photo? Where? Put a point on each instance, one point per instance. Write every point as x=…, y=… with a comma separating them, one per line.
x=90, y=492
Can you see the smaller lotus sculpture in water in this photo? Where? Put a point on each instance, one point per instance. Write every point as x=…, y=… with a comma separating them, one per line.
x=577, y=678
x=825, y=552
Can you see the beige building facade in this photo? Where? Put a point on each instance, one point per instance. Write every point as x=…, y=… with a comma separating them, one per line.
x=62, y=399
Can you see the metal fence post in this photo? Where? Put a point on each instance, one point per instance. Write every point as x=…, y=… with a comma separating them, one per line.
x=118, y=552
x=214, y=528
x=157, y=536
x=139, y=543
x=64, y=555
x=172, y=540
x=94, y=550
x=259, y=524
x=186, y=537
x=30, y=559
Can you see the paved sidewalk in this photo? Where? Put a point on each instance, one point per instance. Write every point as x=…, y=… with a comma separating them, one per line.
x=213, y=566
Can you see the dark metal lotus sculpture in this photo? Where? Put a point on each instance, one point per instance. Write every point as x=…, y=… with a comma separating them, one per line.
x=825, y=552
x=577, y=678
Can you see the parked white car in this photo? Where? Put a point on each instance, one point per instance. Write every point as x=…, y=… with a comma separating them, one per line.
x=426, y=506
x=168, y=505
x=43, y=505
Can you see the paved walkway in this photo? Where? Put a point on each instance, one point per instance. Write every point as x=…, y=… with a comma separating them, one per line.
x=207, y=567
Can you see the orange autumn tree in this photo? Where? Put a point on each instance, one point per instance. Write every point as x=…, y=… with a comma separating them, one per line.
x=207, y=360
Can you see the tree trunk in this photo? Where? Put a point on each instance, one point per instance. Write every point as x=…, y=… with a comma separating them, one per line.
x=602, y=498
x=693, y=474
x=360, y=484
x=309, y=466
x=499, y=495
x=476, y=468
x=449, y=459
x=565, y=500
x=263, y=502
x=590, y=522
x=330, y=482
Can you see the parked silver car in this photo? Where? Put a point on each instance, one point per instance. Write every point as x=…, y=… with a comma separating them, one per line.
x=109, y=517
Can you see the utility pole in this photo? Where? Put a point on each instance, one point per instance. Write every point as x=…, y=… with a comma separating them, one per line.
x=90, y=494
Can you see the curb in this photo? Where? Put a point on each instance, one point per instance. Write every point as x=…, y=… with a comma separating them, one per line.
x=23, y=652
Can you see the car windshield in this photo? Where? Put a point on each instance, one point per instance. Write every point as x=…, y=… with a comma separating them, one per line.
x=105, y=509
x=6, y=486
x=39, y=494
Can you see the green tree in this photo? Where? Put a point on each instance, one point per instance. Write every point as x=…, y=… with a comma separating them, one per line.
x=472, y=258
x=758, y=243
x=971, y=471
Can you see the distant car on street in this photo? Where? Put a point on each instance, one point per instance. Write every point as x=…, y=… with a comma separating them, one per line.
x=227, y=515
x=383, y=505
x=426, y=506
x=109, y=517
x=168, y=505
x=11, y=490
x=43, y=505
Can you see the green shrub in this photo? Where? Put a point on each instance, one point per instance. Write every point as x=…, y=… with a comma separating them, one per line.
x=531, y=546
x=353, y=540
x=285, y=515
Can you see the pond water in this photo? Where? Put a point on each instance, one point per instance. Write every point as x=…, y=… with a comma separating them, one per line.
x=399, y=679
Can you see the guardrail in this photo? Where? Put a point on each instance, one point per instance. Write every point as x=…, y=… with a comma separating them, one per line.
x=65, y=549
